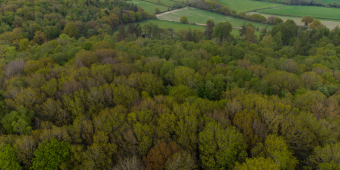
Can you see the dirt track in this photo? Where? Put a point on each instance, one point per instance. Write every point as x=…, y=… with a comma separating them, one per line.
x=172, y=11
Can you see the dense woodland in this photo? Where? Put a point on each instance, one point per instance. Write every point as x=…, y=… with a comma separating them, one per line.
x=77, y=95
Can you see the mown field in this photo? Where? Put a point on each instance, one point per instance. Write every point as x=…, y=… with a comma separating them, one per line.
x=200, y=17
x=321, y=12
x=149, y=7
x=246, y=5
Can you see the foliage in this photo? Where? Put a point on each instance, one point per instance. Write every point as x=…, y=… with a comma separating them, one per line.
x=8, y=158
x=184, y=20
x=50, y=154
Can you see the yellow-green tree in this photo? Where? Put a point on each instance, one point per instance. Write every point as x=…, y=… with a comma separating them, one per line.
x=8, y=158
x=71, y=30
x=183, y=19
x=257, y=164
x=307, y=20
x=50, y=154
x=221, y=147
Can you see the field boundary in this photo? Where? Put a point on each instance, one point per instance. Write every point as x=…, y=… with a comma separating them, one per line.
x=255, y=10
x=294, y=15
x=237, y=28
x=160, y=4
x=235, y=16
x=165, y=12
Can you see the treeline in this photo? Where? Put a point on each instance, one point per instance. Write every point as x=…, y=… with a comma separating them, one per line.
x=50, y=18
x=213, y=6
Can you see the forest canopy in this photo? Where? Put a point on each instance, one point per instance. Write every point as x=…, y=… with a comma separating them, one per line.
x=83, y=85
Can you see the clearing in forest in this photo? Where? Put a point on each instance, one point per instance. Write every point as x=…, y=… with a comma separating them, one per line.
x=201, y=16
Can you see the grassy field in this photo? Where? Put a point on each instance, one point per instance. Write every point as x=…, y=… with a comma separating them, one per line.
x=302, y=11
x=246, y=5
x=329, y=1
x=200, y=17
x=149, y=7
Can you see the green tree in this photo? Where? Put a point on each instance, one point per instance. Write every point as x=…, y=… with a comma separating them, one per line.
x=139, y=16
x=8, y=160
x=50, y=154
x=307, y=20
x=222, y=31
x=257, y=164
x=316, y=24
x=132, y=16
x=326, y=157
x=19, y=121
x=125, y=18
x=39, y=37
x=189, y=36
x=221, y=147
x=184, y=20
x=124, y=95
x=122, y=34
x=157, y=10
x=71, y=30
x=276, y=148
x=209, y=30
x=181, y=92
x=138, y=29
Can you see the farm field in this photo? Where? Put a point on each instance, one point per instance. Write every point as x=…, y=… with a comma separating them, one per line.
x=149, y=7
x=200, y=17
x=247, y=5
x=329, y=24
x=302, y=11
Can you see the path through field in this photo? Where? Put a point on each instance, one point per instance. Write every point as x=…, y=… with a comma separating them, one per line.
x=170, y=12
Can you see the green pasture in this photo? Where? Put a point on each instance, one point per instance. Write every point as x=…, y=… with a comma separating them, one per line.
x=149, y=7
x=246, y=5
x=321, y=12
x=329, y=1
x=200, y=17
